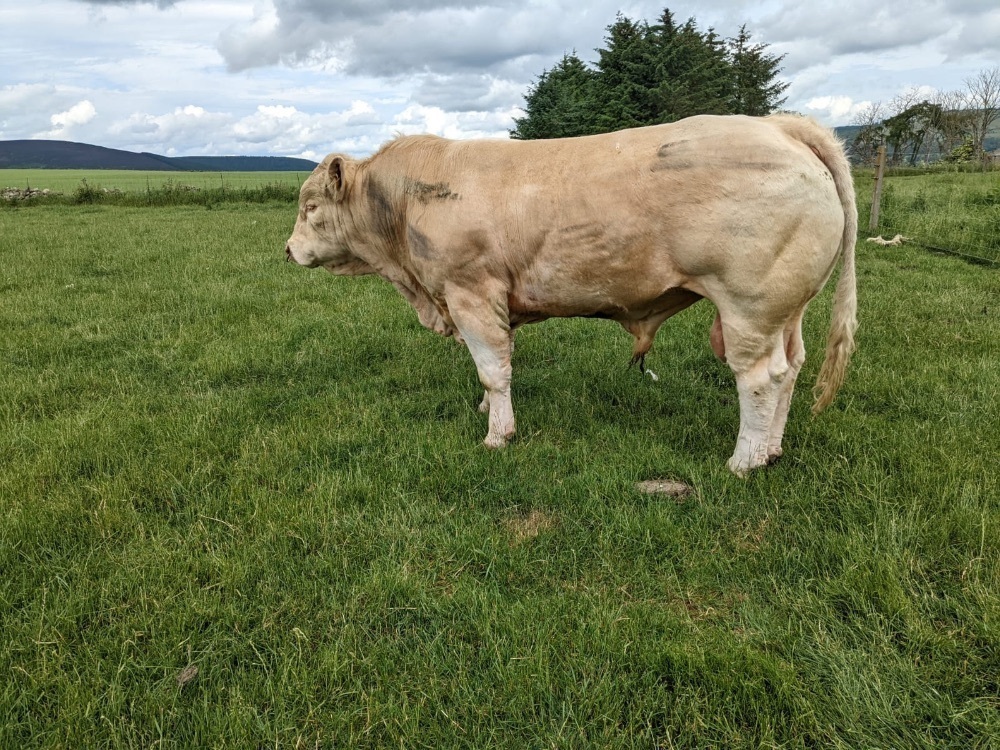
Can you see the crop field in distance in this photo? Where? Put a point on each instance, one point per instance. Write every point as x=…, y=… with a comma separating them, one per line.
x=245, y=504
x=68, y=180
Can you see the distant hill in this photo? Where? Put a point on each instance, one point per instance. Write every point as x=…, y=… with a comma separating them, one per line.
x=847, y=133
x=242, y=163
x=68, y=155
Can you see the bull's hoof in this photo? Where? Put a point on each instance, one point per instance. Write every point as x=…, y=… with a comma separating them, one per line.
x=773, y=455
x=500, y=438
x=737, y=469
x=741, y=466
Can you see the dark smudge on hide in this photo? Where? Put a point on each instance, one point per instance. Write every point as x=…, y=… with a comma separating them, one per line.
x=419, y=244
x=426, y=192
x=670, y=157
x=387, y=221
x=667, y=149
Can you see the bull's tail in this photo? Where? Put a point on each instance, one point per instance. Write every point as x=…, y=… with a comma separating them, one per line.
x=840, y=340
x=844, y=320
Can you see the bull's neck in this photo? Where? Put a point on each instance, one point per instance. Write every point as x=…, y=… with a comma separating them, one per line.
x=381, y=217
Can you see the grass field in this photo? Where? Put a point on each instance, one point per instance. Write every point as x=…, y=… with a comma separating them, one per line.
x=953, y=211
x=68, y=180
x=212, y=459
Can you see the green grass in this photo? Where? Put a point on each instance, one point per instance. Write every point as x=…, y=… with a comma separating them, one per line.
x=212, y=457
x=133, y=181
x=952, y=211
x=246, y=188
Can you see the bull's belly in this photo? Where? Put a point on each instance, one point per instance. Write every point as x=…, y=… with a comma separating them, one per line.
x=533, y=307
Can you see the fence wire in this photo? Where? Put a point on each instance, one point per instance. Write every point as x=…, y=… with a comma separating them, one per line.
x=955, y=212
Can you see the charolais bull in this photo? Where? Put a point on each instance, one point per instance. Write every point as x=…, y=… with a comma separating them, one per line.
x=482, y=236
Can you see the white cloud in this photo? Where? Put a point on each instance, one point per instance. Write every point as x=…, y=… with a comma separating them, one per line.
x=287, y=125
x=420, y=119
x=63, y=122
x=835, y=108
x=181, y=128
x=271, y=128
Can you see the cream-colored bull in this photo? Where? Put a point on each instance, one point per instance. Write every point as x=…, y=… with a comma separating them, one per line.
x=483, y=236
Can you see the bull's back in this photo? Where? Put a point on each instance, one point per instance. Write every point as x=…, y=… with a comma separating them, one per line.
x=640, y=210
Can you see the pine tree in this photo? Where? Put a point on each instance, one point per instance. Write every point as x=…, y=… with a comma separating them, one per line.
x=710, y=75
x=670, y=66
x=648, y=74
x=754, y=88
x=560, y=104
x=692, y=73
x=623, y=76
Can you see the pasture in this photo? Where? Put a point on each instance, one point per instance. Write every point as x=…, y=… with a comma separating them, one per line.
x=953, y=211
x=243, y=504
x=135, y=181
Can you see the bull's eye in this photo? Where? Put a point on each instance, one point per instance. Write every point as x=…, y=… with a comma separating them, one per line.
x=310, y=207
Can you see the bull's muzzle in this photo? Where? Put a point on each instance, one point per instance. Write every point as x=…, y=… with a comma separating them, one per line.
x=288, y=253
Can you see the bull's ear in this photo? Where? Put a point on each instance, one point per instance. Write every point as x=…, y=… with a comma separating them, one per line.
x=339, y=172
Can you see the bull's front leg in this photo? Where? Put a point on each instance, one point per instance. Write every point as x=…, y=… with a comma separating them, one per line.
x=481, y=317
x=484, y=405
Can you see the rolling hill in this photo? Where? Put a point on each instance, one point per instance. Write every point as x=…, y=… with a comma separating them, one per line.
x=41, y=154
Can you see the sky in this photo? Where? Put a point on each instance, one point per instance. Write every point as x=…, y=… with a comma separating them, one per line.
x=310, y=77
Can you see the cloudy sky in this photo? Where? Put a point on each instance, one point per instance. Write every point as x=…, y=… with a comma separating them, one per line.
x=306, y=77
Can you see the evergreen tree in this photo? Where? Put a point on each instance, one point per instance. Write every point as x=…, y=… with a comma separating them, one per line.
x=560, y=104
x=624, y=76
x=647, y=74
x=671, y=51
x=705, y=80
x=754, y=88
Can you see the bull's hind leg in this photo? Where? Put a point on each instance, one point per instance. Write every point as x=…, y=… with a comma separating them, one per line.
x=795, y=354
x=483, y=323
x=758, y=360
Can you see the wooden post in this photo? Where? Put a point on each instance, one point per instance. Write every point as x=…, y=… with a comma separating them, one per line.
x=877, y=193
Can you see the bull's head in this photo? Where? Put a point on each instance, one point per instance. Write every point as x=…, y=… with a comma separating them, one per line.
x=320, y=236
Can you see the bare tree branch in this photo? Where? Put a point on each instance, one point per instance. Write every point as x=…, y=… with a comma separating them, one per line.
x=953, y=126
x=869, y=118
x=983, y=98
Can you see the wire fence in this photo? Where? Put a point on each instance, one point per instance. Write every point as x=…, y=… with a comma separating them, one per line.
x=954, y=210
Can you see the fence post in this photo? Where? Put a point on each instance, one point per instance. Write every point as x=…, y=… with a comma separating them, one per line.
x=877, y=193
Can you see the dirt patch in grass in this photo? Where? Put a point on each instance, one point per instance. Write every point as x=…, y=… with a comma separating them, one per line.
x=523, y=527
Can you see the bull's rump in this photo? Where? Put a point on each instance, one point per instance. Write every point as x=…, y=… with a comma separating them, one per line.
x=608, y=224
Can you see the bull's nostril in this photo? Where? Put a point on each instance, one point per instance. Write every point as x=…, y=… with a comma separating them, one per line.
x=288, y=253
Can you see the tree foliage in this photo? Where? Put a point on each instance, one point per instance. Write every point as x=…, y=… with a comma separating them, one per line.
x=983, y=98
x=647, y=74
x=756, y=90
x=906, y=132
x=560, y=103
x=868, y=120
x=952, y=126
